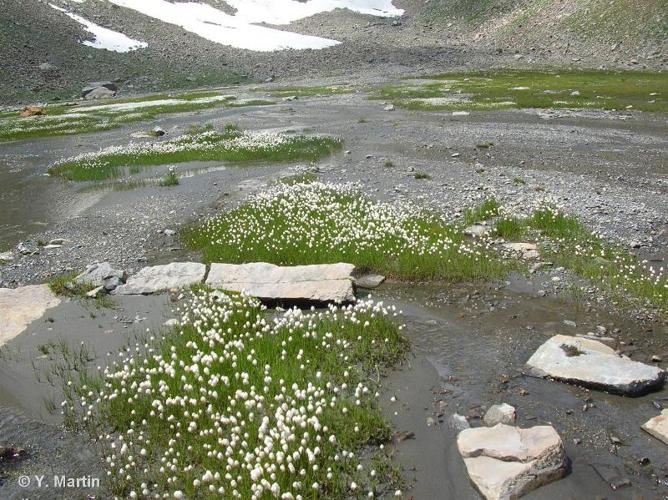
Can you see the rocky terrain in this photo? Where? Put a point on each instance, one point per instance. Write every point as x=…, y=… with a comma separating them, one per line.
x=43, y=55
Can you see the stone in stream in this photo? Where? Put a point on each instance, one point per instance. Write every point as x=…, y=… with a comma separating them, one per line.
x=499, y=414
x=21, y=306
x=505, y=462
x=28, y=247
x=658, y=426
x=592, y=364
x=315, y=283
x=6, y=256
x=369, y=281
x=101, y=274
x=159, y=278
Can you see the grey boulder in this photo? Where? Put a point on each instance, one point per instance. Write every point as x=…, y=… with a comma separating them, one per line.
x=315, y=283
x=592, y=364
x=505, y=462
x=166, y=277
x=101, y=274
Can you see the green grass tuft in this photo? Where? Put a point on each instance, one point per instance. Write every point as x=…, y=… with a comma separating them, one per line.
x=65, y=286
x=170, y=179
x=302, y=178
x=510, y=228
x=486, y=210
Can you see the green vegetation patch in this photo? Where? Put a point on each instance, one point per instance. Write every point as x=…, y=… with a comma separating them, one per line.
x=109, y=114
x=486, y=210
x=237, y=403
x=643, y=91
x=230, y=144
x=320, y=223
x=323, y=90
x=570, y=244
x=64, y=285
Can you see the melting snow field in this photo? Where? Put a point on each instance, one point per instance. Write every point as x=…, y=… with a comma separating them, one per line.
x=105, y=38
x=241, y=30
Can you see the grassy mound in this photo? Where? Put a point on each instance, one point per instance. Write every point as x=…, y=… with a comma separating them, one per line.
x=230, y=145
x=233, y=404
x=318, y=223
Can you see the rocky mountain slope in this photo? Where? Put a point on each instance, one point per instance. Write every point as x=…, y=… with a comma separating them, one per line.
x=45, y=57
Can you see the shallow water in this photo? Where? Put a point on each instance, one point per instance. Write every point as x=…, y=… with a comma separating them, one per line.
x=468, y=353
x=468, y=348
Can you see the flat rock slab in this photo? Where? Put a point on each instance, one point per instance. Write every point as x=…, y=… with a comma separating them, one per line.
x=21, y=306
x=159, y=278
x=505, y=462
x=316, y=283
x=658, y=426
x=590, y=363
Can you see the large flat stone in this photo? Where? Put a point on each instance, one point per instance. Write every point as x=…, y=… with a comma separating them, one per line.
x=658, y=426
x=159, y=278
x=316, y=283
x=505, y=462
x=592, y=364
x=21, y=306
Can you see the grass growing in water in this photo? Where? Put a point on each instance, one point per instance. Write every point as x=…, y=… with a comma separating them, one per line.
x=509, y=89
x=325, y=223
x=574, y=246
x=170, y=179
x=234, y=404
x=64, y=285
x=230, y=145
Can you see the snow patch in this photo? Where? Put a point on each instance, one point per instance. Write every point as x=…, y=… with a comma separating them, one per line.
x=105, y=38
x=241, y=30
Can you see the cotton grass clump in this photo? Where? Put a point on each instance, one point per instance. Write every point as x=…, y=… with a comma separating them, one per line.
x=230, y=144
x=235, y=404
x=316, y=223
